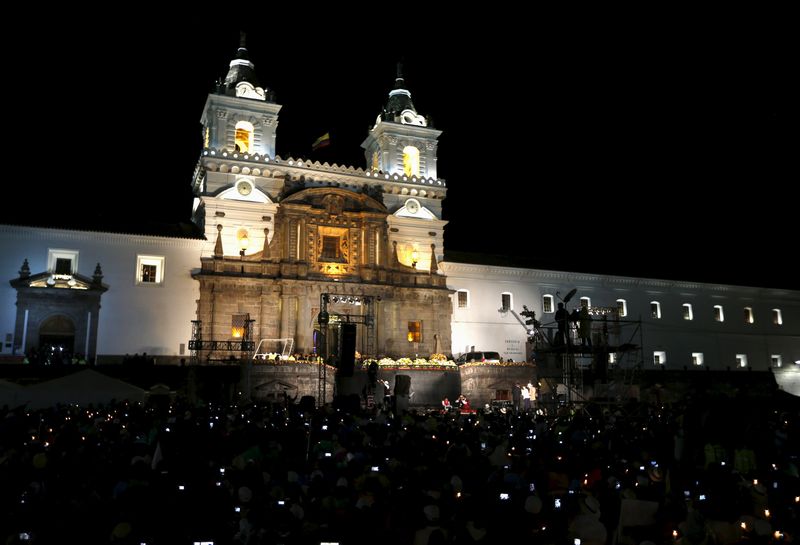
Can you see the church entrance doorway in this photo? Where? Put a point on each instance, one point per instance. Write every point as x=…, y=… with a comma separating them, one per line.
x=57, y=334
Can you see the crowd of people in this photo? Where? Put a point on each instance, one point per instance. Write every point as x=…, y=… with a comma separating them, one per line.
x=699, y=472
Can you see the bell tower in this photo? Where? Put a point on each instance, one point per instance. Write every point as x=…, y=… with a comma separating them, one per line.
x=402, y=147
x=240, y=116
x=234, y=186
x=402, y=142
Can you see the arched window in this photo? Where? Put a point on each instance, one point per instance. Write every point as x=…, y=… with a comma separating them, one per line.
x=410, y=161
x=655, y=310
x=243, y=139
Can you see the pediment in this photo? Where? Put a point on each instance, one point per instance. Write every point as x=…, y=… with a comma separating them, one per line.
x=335, y=201
x=45, y=280
x=275, y=386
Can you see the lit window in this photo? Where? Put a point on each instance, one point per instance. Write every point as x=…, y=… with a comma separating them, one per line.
x=244, y=137
x=547, y=303
x=239, y=325
x=776, y=360
x=719, y=316
x=149, y=270
x=622, y=307
x=62, y=261
x=659, y=357
x=748, y=315
x=687, y=311
x=697, y=358
x=410, y=161
x=463, y=298
x=206, y=137
x=586, y=302
x=375, y=162
x=777, y=316
x=505, y=301
x=655, y=310
x=414, y=332
x=741, y=360
x=612, y=357
x=330, y=249
x=149, y=273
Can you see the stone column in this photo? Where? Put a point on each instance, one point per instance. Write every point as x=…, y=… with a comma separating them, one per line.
x=285, y=301
x=302, y=328
x=303, y=242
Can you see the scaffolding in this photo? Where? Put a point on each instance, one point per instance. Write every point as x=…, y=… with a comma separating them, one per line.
x=334, y=310
x=609, y=360
x=242, y=341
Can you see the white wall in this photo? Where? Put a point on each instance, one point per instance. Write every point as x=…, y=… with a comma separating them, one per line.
x=484, y=327
x=133, y=318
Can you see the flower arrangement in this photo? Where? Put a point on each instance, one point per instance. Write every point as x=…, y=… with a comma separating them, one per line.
x=420, y=363
x=438, y=357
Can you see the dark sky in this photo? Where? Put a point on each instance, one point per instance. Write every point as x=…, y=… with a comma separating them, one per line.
x=642, y=146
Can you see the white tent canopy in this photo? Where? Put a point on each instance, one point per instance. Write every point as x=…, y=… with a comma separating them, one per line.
x=83, y=388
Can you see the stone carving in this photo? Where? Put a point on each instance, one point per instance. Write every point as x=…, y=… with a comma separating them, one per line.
x=218, y=245
x=222, y=114
x=434, y=264
x=334, y=204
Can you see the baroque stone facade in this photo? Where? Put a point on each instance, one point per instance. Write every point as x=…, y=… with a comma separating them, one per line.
x=361, y=244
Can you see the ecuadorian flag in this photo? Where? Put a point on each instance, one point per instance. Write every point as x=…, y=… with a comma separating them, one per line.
x=321, y=142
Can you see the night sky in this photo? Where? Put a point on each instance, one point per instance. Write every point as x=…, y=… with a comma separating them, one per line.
x=636, y=145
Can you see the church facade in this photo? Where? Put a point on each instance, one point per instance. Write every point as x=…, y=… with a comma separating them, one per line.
x=294, y=254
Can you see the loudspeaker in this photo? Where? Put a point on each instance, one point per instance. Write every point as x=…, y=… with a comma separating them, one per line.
x=347, y=358
x=402, y=385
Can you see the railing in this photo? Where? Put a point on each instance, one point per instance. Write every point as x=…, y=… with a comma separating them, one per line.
x=229, y=346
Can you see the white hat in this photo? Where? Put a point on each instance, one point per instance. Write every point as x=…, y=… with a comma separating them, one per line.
x=590, y=506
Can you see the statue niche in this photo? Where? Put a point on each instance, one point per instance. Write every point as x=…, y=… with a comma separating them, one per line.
x=334, y=204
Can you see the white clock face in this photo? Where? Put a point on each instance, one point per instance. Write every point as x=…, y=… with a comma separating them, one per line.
x=412, y=206
x=244, y=188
